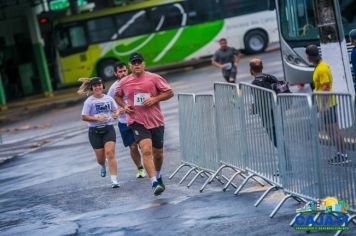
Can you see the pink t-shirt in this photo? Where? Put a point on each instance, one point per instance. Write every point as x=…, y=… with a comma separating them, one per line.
x=136, y=90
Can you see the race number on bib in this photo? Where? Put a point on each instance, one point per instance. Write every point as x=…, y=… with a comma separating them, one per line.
x=140, y=98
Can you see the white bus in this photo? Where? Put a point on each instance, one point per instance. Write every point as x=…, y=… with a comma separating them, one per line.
x=167, y=32
x=297, y=26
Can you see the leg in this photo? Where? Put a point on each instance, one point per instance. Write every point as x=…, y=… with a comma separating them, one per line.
x=158, y=158
x=100, y=156
x=334, y=132
x=146, y=149
x=135, y=155
x=109, y=148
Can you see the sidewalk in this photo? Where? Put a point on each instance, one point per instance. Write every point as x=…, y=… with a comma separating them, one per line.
x=19, y=110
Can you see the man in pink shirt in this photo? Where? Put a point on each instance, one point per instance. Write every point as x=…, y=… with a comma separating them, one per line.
x=144, y=91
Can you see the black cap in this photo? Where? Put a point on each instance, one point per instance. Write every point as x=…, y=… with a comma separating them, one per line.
x=135, y=56
x=313, y=52
x=96, y=80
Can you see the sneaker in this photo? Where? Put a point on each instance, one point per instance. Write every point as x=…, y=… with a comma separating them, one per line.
x=140, y=173
x=160, y=181
x=157, y=188
x=115, y=185
x=339, y=159
x=103, y=171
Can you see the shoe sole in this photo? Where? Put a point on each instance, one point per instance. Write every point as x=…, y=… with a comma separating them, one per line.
x=158, y=190
x=115, y=186
x=338, y=163
x=140, y=176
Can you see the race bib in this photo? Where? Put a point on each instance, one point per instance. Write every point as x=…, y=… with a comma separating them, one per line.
x=139, y=98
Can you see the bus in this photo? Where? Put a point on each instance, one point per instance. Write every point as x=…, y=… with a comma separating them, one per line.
x=166, y=32
x=297, y=27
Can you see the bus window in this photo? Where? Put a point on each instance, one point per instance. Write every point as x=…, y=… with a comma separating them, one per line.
x=348, y=12
x=71, y=39
x=101, y=29
x=299, y=20
x=131, y=24
x=198, y=13
x=240, y=7
x=167, y=17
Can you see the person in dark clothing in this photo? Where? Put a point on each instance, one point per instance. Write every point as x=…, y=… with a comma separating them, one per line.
x=352, y=36
x=227, y=58
x=265, y=81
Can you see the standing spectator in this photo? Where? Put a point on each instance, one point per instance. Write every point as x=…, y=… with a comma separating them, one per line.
x=144, y=91
x=265, y=81
x=97, y=111
x=227, y=58
x=323, y=82
x=128, y=139
x=352, y=36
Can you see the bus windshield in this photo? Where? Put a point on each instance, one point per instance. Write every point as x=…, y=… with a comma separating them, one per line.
x=297, y=18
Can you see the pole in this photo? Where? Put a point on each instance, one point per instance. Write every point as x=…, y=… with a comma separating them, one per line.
x=333, y=44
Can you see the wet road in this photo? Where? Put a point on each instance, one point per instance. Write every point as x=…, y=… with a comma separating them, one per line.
x=53, y=186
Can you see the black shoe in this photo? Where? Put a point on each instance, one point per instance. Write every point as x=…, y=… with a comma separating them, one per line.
x=157, y=188
x=339, y=159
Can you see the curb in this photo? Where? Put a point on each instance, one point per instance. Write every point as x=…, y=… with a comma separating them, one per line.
x=23, y=113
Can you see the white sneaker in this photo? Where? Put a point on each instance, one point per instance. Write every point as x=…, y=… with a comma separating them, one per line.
x=115, y=185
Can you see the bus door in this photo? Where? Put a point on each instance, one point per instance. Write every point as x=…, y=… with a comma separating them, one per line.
x=73, y=59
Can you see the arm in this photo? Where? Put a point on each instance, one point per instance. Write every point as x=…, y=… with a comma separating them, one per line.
x=95, y=118
x=217, y=64
x=325, y=87
x=161, y=97
x=121, y=102
x=237, y=58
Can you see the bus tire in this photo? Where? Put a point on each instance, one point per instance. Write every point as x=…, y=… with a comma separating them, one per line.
x=255, y=41
x=105, y=69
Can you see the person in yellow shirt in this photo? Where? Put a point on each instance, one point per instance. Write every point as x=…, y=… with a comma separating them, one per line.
x=323, y=82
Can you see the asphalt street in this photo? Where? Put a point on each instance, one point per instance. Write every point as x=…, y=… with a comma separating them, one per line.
x=52, y=185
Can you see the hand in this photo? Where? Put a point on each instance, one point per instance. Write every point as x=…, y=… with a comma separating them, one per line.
x=150, y=101
x=121, y=111
x=116, y=114
x=102, y=118
x=128, y=109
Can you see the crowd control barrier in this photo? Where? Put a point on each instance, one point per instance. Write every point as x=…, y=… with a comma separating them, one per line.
x=231, y=147
x=258, y=109
x=201, y=153
x=302, y=144
x=186, y=136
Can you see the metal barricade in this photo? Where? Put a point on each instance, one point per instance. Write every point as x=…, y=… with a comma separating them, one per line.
x=261, y=135
x=198, y=136
x=187, y=123
x=337, y=137
x=205, y=130
x=229, y=129
x=298, y=156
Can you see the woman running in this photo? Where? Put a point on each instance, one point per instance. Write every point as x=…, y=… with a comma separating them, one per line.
x=99, y=110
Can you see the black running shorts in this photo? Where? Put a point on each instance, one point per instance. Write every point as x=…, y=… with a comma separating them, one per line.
x=98, y=140
x=155, y=134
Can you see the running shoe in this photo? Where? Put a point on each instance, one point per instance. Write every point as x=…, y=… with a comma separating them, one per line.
x=103, y=171
x=339, y=159
x=157, y=188
x=160, y=181
x=115, y=185
x=140, y=173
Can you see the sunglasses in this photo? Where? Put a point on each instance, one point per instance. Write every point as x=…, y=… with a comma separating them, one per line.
x=136, y=62
x=121, y=71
